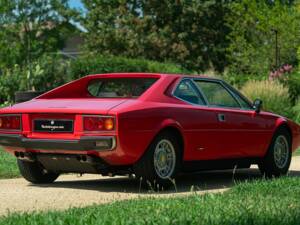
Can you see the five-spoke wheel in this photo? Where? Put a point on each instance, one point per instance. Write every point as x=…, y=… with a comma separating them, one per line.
x=161, y=162
x=164, y=158
x=278, y=158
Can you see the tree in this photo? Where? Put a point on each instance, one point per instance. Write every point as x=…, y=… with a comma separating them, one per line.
x=29, y=28
x=254, y=26
x=188, y=32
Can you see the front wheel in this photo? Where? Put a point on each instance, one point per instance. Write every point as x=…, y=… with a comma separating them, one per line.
x=34, y=173
x=278, y=158
x=160, y=164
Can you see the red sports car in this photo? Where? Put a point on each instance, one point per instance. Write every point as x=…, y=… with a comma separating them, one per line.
x=151, y=125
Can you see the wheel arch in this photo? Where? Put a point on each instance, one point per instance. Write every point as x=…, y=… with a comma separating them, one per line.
x=175, y=131
x=172, y=127
x=284, y=125
x=268, y=165
x=280, y=123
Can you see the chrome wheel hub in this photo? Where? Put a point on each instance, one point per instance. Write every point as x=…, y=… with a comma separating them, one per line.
x=164, y=159
x=281, y=151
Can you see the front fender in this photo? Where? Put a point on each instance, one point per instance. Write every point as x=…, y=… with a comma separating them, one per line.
x=280, y=121
x=294, y=130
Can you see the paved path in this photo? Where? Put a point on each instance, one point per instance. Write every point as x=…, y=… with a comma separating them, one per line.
x=72, y=191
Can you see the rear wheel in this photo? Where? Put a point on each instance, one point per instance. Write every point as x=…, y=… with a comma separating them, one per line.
x=34, y=173
x=160, y=164
x=278, y=158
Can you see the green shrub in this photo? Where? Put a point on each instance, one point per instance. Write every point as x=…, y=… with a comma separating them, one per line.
x=111, y=64
x=275, y=96
x=298, y=56
x=49, y=72
x=238, y=80
x=45, y=74
x=10, y=82
x=296, y=111
x=292, y=82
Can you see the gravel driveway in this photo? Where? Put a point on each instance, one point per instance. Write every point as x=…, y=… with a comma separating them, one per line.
x=73, y=191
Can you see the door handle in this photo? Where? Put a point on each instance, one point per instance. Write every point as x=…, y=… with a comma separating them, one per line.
x=221, y=117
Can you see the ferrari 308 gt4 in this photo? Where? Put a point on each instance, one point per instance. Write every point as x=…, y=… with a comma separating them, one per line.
x=153, y=126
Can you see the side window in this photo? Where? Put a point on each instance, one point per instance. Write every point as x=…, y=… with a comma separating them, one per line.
x=186, y=91
x=244, y=103
x=216, y=94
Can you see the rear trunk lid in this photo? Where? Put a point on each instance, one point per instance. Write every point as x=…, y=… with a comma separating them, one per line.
x=59, y=118
x=60, y=113
x=73, y=106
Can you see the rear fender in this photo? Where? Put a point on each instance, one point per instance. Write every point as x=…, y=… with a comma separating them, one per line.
x=165, y=124
x=170, y=123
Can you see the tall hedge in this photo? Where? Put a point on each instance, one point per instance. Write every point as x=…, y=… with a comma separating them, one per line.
x=50, y=72
x=112, y=64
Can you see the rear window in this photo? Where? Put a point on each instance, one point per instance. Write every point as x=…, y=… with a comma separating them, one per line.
x=119, y=87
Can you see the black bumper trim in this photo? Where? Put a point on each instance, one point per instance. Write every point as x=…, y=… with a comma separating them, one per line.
x=82, y=144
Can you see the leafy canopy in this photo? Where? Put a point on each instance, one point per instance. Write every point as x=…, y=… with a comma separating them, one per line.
x=253, y=26
x=191, y=33
x=29, y=28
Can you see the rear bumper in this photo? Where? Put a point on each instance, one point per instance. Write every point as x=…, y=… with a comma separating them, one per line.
x=96, y=143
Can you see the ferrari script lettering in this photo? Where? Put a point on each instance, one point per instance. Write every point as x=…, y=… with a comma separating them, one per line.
x=52, y=127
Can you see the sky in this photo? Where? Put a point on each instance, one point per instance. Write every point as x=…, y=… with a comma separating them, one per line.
x=76, y=4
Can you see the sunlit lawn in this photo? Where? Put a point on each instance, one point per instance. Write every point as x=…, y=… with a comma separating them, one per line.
x=8, y=165
x=297, y=153
x=260, y=202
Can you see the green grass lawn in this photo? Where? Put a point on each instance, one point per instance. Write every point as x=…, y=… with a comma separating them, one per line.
x=297, y=153
x=8, y=165
x=257, y=202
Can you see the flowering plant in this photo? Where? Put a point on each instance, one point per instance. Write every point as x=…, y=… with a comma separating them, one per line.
x=280, y=72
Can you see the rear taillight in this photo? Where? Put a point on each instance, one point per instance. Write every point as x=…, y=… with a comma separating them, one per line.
x=98, y=123
x=10, y=122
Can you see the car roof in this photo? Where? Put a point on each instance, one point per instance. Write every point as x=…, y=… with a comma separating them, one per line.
x=202, y=76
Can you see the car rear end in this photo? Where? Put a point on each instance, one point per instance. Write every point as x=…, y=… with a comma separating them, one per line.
x=60, y=142
x=69, y=129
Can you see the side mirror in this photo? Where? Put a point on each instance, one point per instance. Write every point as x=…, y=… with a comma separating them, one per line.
x=257, y=105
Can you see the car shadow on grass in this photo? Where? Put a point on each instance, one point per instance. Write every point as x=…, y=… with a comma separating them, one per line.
x=201, y=181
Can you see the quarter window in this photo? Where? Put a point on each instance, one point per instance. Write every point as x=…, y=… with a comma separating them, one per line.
x=186, y=91
x=244, y=103
x=216, y=94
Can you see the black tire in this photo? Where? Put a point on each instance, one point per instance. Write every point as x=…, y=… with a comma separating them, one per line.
x=34, y=173
x=145, y=170
x=23, y=96
x=268, y=166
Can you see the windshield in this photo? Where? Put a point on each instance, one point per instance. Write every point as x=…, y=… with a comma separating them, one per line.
x=119, y=87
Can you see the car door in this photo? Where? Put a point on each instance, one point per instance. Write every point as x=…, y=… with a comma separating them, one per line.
x=241, y=132
x=201, y=127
